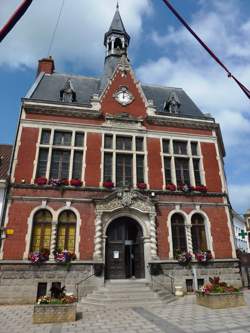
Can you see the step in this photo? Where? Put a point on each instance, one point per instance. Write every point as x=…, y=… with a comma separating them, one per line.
x=122, y=304
x=122, y=293
x=110, y=298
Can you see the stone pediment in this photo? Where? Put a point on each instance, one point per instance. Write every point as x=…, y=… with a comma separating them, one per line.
x=126, y=199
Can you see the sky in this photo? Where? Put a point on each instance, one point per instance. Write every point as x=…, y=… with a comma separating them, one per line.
x=161, y=52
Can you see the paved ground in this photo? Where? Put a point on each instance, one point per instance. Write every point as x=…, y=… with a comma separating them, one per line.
x=181, y=316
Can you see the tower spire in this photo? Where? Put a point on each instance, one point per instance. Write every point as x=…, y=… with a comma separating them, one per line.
x=116, y=41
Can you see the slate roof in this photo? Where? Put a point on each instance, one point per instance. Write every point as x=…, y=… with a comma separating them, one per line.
x=5, y=156
x=85, y=87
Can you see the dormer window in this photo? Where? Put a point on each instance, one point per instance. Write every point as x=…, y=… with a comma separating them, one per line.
x=173, y=104
x=67, y=94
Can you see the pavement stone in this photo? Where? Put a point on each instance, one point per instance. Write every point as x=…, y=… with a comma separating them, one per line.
x=181, y=316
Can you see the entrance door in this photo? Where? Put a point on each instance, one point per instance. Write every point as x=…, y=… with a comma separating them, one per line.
x=124, y=250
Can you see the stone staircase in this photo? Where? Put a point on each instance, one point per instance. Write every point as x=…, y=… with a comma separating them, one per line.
x=127, y=293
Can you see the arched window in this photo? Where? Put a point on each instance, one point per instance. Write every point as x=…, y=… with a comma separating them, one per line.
x=66, y=231
x=118, y=43
x=198, y=233
x=178, y=233
x=41, y=232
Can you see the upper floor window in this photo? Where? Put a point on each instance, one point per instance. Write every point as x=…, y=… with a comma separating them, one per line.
x=182, y=163
x=60, y=154
x=124, y=162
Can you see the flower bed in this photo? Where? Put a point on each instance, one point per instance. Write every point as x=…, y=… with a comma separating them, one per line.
x=219, y=295
x=57, y=309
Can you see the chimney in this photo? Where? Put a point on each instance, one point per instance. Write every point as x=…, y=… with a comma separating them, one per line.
x=46, y=65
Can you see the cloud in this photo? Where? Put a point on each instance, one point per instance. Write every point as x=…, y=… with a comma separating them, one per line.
x=79, y=36
x=240, y=196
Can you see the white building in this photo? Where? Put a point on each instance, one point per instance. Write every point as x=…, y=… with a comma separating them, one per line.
x=240, y=233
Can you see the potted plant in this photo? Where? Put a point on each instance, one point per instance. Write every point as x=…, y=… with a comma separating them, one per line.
x=201, y=188
x=39, y=256
x=219, y=295
x=171, y=187
x=58, y=182
x=76, y=182
x=142, y=186
x=203, y=257
x=41, y=181
x=183, y=258
x=108, y=184
x=64, y=256
x=57, y=308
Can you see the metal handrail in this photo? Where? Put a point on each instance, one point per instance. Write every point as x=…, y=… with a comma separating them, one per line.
x=81, y=281
x=161, y=284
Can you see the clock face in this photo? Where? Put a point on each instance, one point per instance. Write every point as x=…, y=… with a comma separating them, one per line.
x=123, y=96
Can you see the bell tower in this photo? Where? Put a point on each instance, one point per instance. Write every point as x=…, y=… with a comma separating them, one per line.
x=116, y=41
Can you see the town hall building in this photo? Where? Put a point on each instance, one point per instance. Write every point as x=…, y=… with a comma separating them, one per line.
x=126, y=178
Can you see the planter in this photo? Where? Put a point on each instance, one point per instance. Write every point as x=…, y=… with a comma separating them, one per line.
x=220, y=300
x=54, y=313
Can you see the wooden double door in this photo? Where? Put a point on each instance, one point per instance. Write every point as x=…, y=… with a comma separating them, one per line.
x=124, y=250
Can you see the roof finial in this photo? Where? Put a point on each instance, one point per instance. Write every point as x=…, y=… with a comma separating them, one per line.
x=117, y=5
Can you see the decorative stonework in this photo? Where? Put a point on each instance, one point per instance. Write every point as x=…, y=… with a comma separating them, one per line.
x=124, y=120
x=127, y=201
x=122, y=199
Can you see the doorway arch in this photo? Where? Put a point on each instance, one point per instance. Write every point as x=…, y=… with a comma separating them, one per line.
x=124, y=249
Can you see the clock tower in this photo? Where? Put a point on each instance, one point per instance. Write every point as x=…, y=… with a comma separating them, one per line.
x=116, y=41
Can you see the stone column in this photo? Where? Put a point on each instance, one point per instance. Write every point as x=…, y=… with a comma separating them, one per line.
x=189, y=238
x=53, y=239
x=98, y=237
x=153, y=236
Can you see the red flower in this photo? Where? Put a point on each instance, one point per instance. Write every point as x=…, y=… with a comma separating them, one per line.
x=65, y=182
x=76, y=182
x=201, y=188
x=108, y=184
x=142, y=186
x=41, y=181
x=171, y=187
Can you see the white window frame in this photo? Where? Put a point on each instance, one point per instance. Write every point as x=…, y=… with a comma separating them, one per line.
x=72, y=148
x=132, y=152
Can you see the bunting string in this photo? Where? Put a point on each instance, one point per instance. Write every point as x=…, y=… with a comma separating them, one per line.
x=212, y=54
x=14, y=19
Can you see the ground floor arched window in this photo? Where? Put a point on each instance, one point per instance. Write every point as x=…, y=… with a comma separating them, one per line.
x=198, y=231
x=41, y=232
x=66, y=231
x=178, y=234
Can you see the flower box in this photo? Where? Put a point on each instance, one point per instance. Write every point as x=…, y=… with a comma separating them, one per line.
x=58, y=182
x=108, y=184
x=39, y=257
x=41, y=181
x=203, y=257
x=201, y=188
x=142, y=186
x=171, y=187
x=54, y=313
x=220, y=300
x=76, y=182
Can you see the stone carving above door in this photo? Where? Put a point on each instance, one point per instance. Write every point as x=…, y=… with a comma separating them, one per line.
x=126, y=199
